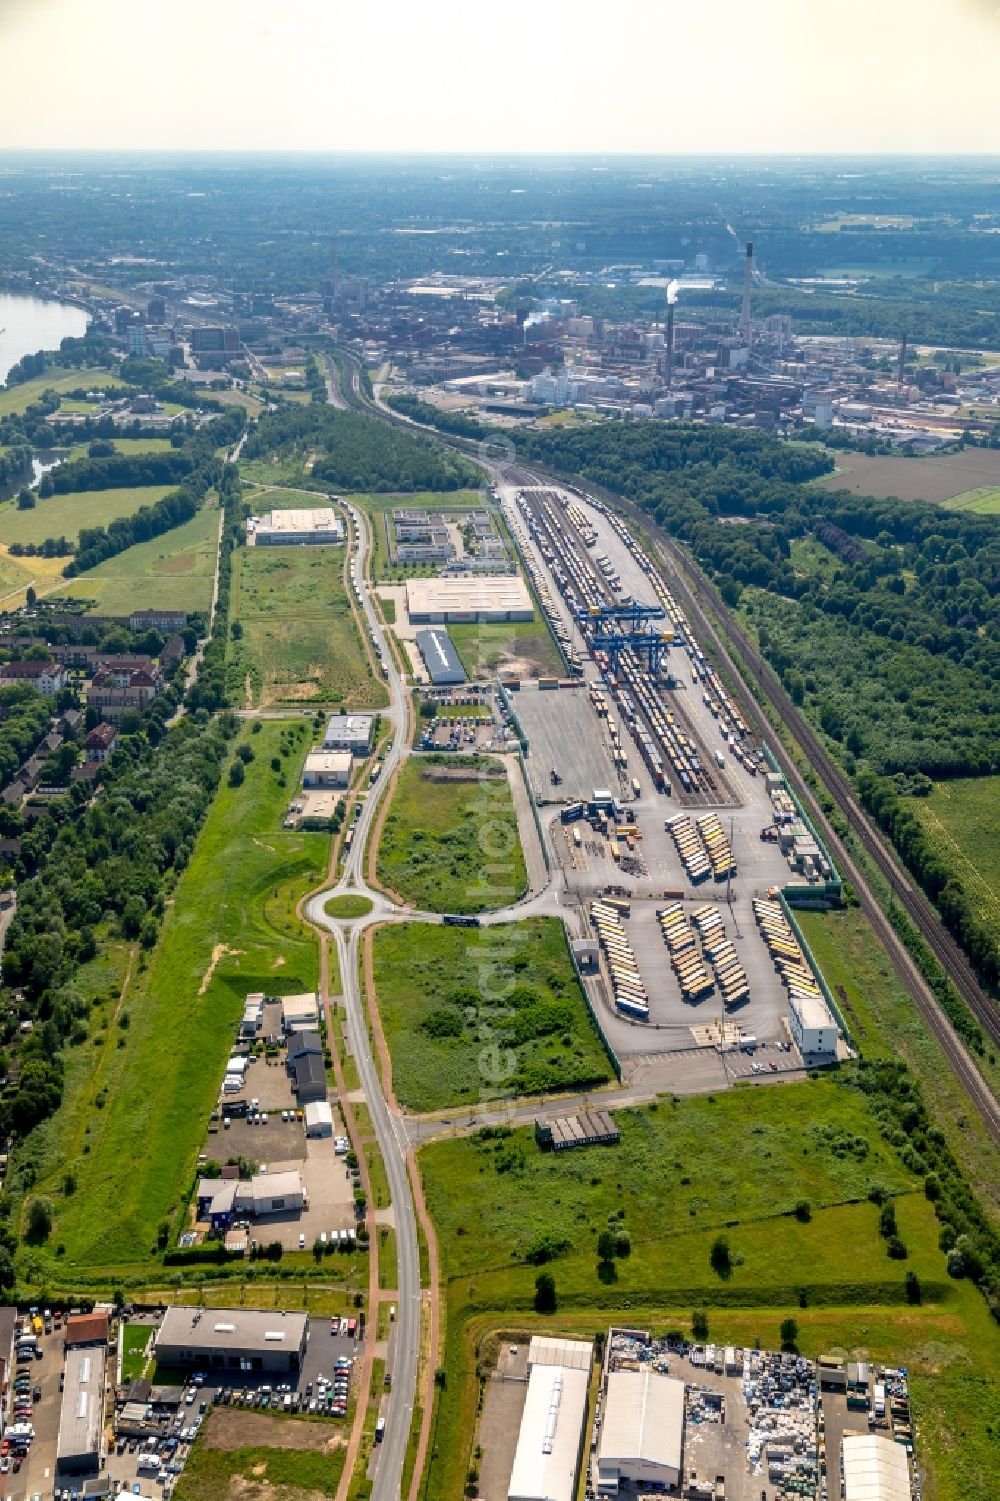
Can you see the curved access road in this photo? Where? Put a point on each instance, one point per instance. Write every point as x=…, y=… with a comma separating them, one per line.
x=391, y=1140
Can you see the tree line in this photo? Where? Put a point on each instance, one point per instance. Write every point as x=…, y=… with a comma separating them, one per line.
x=26, y=722
x=357, y=452
x=936, y=874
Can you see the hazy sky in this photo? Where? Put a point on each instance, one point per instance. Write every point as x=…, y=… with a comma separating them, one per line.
x=658, y=76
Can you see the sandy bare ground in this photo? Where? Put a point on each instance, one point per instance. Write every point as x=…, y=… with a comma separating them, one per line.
x=219, y=951
x=233, y=1428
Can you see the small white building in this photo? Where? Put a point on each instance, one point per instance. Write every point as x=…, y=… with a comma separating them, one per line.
x=253, y=1015
x=270, y=1193
x=317, y=526
x=642, y=1433
x=319, y=1118
x=300, y=1012
x=812, y=1026
x=350, y=732
x=327, y=769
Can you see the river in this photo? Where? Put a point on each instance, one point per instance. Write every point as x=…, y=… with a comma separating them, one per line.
x=28, y=324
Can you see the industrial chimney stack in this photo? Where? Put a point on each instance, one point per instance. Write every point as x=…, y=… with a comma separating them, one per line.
x=670, y=343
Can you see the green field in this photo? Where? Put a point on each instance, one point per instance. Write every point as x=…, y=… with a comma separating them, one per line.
x=133, y=1131
x=963, y=820
x=282, y=1472
x=172, y=572
x=135, y=1342
x=673, y=1185
x=985, y=500
x=468, y=1014
x=13, y=575
x=300, y=641
x=18, y=398
x=130, y=446
x=450, y=818
x=885, y=1023
x=64, y=515
x=521, y=646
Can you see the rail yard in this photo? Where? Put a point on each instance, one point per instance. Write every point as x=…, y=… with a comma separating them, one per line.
x=669, y=822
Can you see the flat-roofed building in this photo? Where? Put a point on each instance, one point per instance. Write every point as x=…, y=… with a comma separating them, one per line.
x=81, y=1416
x=232, y=1339
x=875, y=1468
x=327, y=769
x=642, y=1434
x=468, y=598
x=319, y=1118
x=812, y=1026
x=550, y=1441
x=350, y=732
x=545, y=1349
x=317, y=526
x=444, y=665
x=586, y=1128
x=300, y=1013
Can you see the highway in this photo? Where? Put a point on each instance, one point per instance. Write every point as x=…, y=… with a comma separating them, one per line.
x=389, y=1133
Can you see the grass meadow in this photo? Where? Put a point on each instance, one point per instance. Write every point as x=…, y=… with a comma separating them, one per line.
x=303, y=1460
x=522, y=646
x=132, y=1127
x=65, y=515
x=885, y=1023
x=171, y=572
x=434, y=987
x=300, y=641
x=675, y=1183
x=19, y=398
x=450, y=818
x=961, y=817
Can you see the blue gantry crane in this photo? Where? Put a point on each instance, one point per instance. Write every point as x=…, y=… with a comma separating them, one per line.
x=616, y=628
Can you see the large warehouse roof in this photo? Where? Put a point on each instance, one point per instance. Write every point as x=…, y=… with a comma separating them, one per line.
x=231, y=1329
x=643, y=1419
x=82, y=1417
x=489, y=595
x=875, y=1469
x=442, y=660
x=549, y=1442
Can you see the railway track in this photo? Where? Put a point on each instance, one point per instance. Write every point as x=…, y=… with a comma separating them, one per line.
x=692, y=587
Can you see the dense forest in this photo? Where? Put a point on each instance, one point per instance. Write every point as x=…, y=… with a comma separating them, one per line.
x=356, y=452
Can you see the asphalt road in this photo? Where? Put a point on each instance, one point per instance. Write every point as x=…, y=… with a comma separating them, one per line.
x=389, y=1131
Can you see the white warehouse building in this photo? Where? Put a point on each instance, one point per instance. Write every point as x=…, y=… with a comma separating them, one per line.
x=812, y=1026
x=642, y=1434
x=550, y=1442
x=875, y=1469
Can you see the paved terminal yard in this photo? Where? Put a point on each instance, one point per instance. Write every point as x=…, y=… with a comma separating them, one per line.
x=591, y=738
x=565, y=736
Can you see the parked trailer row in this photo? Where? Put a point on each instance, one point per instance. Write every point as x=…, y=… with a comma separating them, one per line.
x=626, y=981
x=693, y=978
x=793, y=969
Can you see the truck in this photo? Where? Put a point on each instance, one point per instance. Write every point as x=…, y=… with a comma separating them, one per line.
x=720, y=760
x=878, y=1400
x=636, y=789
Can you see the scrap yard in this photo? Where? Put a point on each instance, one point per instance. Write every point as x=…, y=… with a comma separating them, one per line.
x=679, y=844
